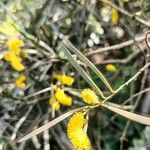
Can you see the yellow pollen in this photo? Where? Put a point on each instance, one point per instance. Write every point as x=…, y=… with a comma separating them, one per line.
x=62, y=97
x=64, y=79
x=111, y=68
x=76, y=133
x=89, y=96
x=14, y=45
x=20, y=82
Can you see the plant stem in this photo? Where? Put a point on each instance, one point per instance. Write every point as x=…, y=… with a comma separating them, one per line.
x=122, y=86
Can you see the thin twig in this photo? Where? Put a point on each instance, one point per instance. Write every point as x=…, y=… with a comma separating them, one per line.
x=19, y=123
x=121, y=61
x=140, y=20
x=126, y=83
x=135, y=95
x=46, y=136
x=119, y=46
x=136, y=103
x=36, y=142
x=37, y=93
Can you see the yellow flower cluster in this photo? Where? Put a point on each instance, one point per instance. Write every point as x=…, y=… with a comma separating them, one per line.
x=63, y=98
x=114, y=16
x=20, y=82
x=111, y=68
x=13, y=56
x=60, y=97
x=64, y=79
x=89, y=96
x=76, y=133
x=14, y=45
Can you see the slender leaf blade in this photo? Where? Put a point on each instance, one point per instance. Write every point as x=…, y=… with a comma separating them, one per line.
x=48, y=125
x=129, y=115
x=88, y=63
x=82, y=72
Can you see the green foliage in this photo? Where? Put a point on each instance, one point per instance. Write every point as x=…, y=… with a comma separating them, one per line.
x=4, y=142
x=142, y=143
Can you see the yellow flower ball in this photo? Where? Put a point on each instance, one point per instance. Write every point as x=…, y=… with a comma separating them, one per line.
x=18, y=66
x=8, y=56
x=80, y=140
x=12, y=57
x=76, y=121
x=76, y=133
x=15, y=61
x=20, y=82
x=111, y=68
x=66, y=80
x=89, y=96
x=14, y=45
x=62, y=97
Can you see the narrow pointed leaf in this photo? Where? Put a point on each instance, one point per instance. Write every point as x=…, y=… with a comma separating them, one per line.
x=82, y=72
x=48, y=125
x=132, y=116
x=87, y=62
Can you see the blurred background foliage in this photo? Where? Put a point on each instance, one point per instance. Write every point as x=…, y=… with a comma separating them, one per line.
x=42, y=25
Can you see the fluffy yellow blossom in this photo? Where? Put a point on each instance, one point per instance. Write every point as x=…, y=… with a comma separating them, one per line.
x=114, y=16
x=80, y=140
x=20, y=82
x=12, y=57
x=111, y=68
x=15, y=61
x=76, y=132
x=14, y=45
x=62, y=97
x=89, y=96
x=54, y=103
x=77, y=121
x=67, y=80
x=17, y=65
